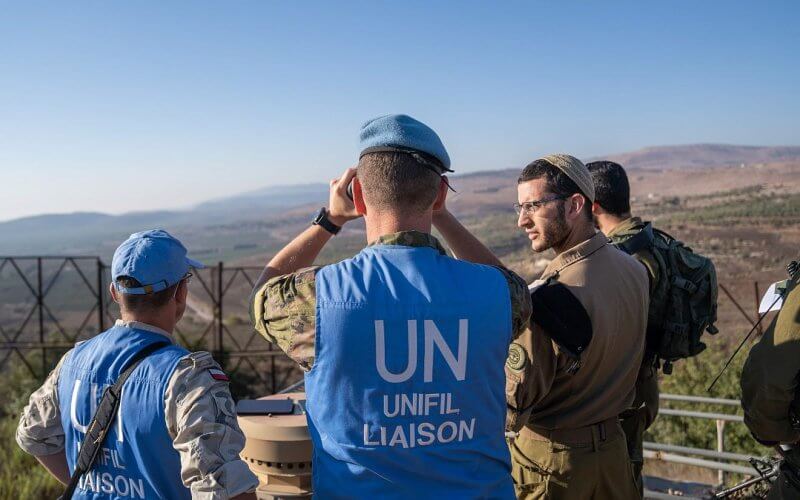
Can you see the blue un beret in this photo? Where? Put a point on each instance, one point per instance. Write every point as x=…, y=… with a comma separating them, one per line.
x=405, y=134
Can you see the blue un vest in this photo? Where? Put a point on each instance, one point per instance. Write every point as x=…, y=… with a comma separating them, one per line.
x=139, y=462
x=406, y=397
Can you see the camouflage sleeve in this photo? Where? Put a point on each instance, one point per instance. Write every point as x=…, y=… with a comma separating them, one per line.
x=770, y=377
x=520, y=301
x=648, y=260
x=39, y=431
x=284, y=311
x=201, y=420
x=531, y=366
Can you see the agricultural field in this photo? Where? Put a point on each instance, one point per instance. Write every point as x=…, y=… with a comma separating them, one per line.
x=746, y=217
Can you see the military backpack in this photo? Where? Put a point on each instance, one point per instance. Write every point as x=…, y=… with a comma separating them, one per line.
x=683, y=303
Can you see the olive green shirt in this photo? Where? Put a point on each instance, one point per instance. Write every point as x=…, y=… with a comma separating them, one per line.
x=647, y=392
x=284, y=309
x=626, y=229
x=540, y=391
x=770, y=377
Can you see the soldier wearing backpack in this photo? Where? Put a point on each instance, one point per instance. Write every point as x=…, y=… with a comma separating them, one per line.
x=683, y=296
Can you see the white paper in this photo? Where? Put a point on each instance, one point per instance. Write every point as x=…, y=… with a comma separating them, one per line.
x=773, y=296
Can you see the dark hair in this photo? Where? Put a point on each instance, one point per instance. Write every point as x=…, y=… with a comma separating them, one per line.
x=393, y=180
x=611, y=188
x=144, y=303
x=557, y=181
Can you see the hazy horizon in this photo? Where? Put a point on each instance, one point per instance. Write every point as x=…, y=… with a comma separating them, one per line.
x=198, y=100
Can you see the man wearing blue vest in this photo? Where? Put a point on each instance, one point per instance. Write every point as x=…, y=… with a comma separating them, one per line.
x=403, y=347
x=175, y=434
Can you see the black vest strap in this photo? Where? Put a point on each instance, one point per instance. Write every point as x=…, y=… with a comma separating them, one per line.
x=103, y=419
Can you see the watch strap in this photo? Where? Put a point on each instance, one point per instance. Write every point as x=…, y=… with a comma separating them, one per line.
x=323, y=221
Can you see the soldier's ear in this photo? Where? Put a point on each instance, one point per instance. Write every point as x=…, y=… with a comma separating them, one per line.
x=441, y=196
x=113, y=291
x=358, y=197
x=596, y=209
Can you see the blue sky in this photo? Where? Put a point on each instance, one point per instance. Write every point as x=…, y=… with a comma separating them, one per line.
x=120, y=106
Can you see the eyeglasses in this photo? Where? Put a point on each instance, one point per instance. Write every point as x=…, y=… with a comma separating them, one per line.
x=530, y=207
x=187, y=278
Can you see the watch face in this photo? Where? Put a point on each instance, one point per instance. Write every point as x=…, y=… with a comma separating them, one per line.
x=319, y=215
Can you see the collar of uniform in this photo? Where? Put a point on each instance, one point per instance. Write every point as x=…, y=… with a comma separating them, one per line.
x=626, y=225
x=410, y=239
x=143, y=326
x=576, y=253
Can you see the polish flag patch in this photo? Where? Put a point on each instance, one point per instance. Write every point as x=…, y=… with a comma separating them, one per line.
x=218, y=375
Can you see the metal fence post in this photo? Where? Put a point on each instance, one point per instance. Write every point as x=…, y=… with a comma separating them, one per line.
x=220, y=325
x=720, y=448
x=101, y=312
x=40, y=305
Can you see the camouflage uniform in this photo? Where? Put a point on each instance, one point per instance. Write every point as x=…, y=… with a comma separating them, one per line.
x=770, y=395
x=570, y=443
x=284, y=308
x=200, y=419
x=638, y=418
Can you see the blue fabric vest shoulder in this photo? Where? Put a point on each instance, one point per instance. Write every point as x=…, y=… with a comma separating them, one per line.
x=139, y=461
x=406, y=397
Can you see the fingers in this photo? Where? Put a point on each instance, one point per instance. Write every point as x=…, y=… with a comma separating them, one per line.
x=340, y=184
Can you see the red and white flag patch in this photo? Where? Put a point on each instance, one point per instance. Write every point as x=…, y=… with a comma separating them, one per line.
x=218, y=375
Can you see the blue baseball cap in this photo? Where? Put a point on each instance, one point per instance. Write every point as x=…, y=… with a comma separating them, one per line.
x=154, y=258
x=402, y=133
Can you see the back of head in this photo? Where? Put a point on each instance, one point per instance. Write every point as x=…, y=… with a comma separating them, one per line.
x=612, y=190
x=397, y=182
x=144, y=304
x=148, y=269
x=401, y=164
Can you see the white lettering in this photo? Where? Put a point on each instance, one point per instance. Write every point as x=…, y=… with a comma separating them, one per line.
x=367, y=442
x=380, y=353
x=453, y=434
x=73, y=407
x=137, y=488
x=121, y=486
x=464, y=430
x=433, y=336
x=386, y=406
x=108, y=483
x=427, y=432
x=409, y=404
x=399, y=437
x=430, y=400
x=423, y=434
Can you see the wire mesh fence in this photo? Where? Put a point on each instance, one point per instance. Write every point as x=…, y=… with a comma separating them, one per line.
x=48, y=303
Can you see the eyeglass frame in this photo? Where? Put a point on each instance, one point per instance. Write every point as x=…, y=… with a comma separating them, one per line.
x=536, y=205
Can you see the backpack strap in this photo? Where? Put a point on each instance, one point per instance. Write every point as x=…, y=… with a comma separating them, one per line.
x=103, y=419
x=639, y=241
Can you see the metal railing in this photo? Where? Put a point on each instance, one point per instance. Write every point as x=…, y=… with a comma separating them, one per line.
x=717, y=459
x=48, y=303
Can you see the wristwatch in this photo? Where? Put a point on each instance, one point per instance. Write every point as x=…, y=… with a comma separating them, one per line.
x=322, y=220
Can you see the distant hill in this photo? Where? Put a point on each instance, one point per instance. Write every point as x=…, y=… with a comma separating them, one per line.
x=236, y=226
x=702, y=156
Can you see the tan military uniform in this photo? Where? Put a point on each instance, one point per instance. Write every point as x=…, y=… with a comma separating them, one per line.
x=770, y=392
x=570, y=443
x=284, y=309
x=641, y=415
x=200, y=418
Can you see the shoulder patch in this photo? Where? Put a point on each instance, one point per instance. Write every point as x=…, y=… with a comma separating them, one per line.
x=218, y=374
x=517, y=358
